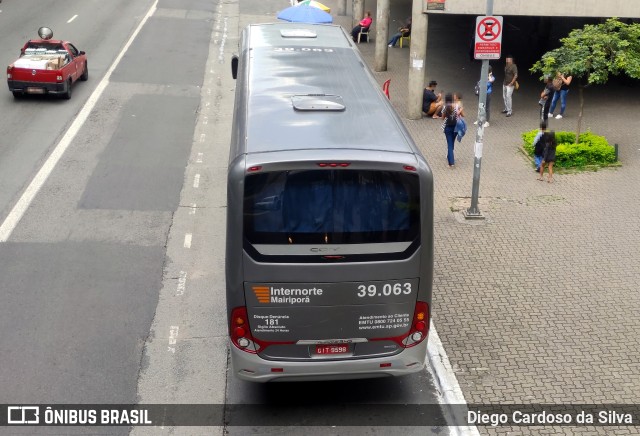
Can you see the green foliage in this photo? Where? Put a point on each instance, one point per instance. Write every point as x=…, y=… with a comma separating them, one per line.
x=590, y=150
x=595, y=52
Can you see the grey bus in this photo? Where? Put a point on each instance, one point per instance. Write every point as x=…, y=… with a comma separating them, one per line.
x=329, y=244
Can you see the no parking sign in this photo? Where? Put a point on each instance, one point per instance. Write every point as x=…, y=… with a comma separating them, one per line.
x=488, y=37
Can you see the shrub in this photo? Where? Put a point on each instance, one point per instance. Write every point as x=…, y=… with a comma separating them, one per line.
x=590, y=150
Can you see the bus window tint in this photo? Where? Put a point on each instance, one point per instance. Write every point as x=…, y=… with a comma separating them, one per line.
x=331, y=206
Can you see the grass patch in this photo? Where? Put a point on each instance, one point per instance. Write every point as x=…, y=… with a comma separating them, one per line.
x=590, y=153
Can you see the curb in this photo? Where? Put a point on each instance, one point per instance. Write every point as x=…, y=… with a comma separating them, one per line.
x=446, y=382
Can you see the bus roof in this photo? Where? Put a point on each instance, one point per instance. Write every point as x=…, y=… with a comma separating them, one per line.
x=284, y=64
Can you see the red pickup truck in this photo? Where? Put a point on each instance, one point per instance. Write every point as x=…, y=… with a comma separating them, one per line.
x=47, y=66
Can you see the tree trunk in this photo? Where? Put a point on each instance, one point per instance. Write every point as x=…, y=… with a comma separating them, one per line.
x=581, y=92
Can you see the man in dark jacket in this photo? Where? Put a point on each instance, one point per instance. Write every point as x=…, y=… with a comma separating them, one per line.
x=431, y=102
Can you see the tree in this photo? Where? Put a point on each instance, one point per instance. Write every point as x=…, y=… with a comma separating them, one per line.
x=593, y=54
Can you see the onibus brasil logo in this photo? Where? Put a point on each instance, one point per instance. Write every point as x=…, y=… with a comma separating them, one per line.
x=271, y=294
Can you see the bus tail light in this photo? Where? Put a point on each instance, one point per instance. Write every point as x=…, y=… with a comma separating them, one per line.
x=239, y=331
x=418, y=330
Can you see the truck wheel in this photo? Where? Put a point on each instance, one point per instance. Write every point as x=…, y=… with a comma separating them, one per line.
x=67, y=93
x=85, y=73
x=17, y=94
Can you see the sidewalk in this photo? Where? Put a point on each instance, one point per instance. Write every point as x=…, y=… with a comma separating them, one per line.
x=539, y=303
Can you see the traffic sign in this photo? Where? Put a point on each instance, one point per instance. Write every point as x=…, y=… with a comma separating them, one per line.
x=488, y=38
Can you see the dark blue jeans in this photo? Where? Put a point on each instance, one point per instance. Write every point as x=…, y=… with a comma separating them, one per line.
x=395, y=38
x=451, y=140
x=562, y=95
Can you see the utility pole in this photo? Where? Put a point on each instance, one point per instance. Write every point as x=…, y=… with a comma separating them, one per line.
x=473, y=212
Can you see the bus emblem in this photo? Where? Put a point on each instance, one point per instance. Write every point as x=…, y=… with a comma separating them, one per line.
x=262, y=294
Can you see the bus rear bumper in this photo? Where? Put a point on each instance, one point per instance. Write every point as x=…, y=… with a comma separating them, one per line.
x=251, y=367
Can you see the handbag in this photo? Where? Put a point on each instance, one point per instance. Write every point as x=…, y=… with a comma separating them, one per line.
x=517, y=85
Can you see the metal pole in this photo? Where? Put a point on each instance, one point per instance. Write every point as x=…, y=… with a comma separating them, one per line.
x=474, y=212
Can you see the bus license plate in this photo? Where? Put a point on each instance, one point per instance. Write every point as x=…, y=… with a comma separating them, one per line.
x=332, y=349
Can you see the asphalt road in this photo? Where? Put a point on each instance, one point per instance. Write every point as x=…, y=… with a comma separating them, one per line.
x=112, y=283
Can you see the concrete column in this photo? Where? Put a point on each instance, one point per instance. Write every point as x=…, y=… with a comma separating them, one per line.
x=358, y=11
x=417, y=60
x=341, y=9
x=382, y=35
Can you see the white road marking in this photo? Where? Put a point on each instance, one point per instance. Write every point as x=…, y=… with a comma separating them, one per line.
x=199, y=159
x=173, y=337
x=223, y=41
x=182, y=284
x=193, y=209
x=187, y=240
x=196, y=181
x=72, y=18
x=202, y=137
x=14, y=217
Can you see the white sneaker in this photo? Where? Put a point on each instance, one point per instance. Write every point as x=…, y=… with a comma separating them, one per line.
x=558, y=117
x=475, y=123
x=486, y=124
x=390, y=45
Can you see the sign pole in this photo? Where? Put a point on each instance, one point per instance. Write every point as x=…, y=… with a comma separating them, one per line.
x=473, y=212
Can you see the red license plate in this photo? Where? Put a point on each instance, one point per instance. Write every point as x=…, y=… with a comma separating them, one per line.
x=332, y=349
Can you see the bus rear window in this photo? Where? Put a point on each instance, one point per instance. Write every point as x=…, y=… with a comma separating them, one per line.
x=331, y=207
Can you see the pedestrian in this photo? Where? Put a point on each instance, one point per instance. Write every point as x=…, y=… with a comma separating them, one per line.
x=487, y=107
x=432, y=102
x=449, y=114
x=461, y=125
x=545, y=98
x=548, y=154
x=365, y=23
x=561, y=94
x=402, y=31
x=538, y=146
x=508, y=85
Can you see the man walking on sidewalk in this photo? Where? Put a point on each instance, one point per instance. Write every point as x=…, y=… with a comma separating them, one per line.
x=510, y=77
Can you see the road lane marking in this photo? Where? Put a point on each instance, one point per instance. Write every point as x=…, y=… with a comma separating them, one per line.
x=199, y=159
x=16, y=214
x=202, y=137
x=182, y=284
x=173, y=338
x=196, y=181
x=187, y=240
x=192, y=210
x=72, y=18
